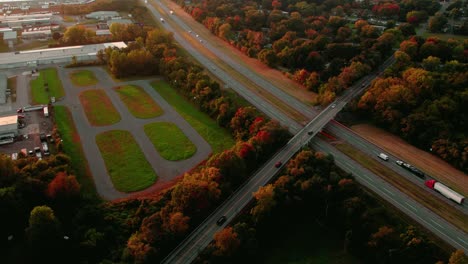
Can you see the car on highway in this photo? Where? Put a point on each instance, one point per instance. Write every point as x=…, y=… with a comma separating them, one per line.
x=310, y=132
x=399, y=162
x=333, y=105
x=278, y=164
x=221, y=220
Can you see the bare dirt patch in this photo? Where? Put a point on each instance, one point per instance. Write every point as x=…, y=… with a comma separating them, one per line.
x=431, y=164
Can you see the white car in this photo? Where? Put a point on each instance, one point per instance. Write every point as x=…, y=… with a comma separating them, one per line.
x=333, y=105
x=399, y=162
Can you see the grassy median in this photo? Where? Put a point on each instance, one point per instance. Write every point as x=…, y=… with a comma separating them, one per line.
x=218, y=138
x=138, y=102
x=98, y=108
x=83, y=78
x=125, y=162
x=170, y=142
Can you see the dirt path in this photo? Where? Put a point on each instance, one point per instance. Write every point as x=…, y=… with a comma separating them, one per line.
x=427, y=162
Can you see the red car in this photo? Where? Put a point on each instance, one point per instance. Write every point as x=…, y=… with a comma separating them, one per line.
x=278, y=164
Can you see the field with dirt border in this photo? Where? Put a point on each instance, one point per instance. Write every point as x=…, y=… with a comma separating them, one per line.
x=98, y=108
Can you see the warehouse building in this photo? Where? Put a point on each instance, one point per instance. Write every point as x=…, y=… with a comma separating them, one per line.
x=3, y=88
x=8, y=128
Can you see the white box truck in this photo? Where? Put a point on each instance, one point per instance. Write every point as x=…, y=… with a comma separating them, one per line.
x=383, y=156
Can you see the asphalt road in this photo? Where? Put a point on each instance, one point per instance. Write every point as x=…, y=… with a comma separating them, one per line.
x=373, y=150
x=201, y=237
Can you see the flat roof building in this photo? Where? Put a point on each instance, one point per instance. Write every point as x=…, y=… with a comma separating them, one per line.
x=34, y=58
x=3, y=87
x=8, y=126
x=102, y=15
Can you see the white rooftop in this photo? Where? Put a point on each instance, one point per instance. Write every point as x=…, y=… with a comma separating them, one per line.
x=55, y=53
x=8, y=120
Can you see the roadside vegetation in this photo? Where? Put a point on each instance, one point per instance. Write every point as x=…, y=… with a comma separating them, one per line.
x=126, y=164
x=218, y=138
x=98, y=108
x=138, y=102
x=71, y=145
x=83, y=78
x=170, y=142
x=46, y=85
x=312, y=192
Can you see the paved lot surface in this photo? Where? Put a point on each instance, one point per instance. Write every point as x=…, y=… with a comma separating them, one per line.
x=166, y=170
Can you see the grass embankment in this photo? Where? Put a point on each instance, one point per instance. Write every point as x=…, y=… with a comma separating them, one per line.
x=218, y=138
x=170, y=141
x=11, y=84
x=98, y=108
x=138, y=102
x=126, y=164
x=83, y=78
x=431, y=202
x=38, y=89
x=72, y=147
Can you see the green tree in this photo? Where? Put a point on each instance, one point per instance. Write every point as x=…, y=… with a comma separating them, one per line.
x=43, y=227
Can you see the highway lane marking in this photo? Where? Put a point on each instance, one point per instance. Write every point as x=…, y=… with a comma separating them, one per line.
x=437, y=223
x=414, y=208
x=388, y=191
x=463, y=240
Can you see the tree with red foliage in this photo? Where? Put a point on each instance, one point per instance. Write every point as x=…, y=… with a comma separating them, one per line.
x=63, y=186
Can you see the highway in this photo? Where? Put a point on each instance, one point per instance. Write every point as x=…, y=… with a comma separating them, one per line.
x=372, y=150
x=202, y=236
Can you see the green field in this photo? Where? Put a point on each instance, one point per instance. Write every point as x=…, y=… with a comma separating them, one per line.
x=170, y=141
x=127, y=166
x=83, y=78
x=98, y=108
x=218, y=138
x=72, y=147
x=39, y=93
x=138, y=102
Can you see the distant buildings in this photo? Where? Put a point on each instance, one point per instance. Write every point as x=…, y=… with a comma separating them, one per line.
x=102, y=15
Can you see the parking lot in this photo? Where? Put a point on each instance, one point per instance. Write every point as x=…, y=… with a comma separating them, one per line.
x=35, y=124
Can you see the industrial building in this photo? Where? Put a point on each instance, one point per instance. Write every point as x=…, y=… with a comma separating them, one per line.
x=3, y=88
x=33, y=58
x=8, y=128
x=102, y=15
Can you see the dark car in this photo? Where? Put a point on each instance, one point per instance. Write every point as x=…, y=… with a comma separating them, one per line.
x=221, y=220
x=278, y=164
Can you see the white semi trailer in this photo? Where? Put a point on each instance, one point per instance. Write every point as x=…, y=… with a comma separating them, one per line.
x=445, y=191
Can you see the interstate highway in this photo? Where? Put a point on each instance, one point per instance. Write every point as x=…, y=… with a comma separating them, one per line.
x=260, y=104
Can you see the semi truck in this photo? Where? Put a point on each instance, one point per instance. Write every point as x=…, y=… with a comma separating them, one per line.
x=445, y=191
x=411, y=168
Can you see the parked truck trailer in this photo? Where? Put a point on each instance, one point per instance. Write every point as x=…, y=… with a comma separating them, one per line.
x=445, y=191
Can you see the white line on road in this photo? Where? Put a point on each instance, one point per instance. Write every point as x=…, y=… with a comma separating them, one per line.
x=437, y=223
x=463, y=241
x=388, y=191
x=414, y=208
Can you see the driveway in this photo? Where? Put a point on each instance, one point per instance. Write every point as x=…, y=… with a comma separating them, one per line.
x=166, y=170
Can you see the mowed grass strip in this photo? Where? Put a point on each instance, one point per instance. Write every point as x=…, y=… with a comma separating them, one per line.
x=431, y=202
x=138, y=102
x=54, y=86
x=83, y=78
x=98, y=108
x=73, y=148
x=127, y=166
x=170, y=141
x=218, y=138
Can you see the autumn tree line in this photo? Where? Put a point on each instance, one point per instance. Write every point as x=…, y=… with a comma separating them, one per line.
x=313, y=188
x=423, y=97
x=313, y=43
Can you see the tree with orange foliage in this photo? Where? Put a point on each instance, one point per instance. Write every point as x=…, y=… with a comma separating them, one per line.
x=63, y=186
x=226, y=242
x=265, y=197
